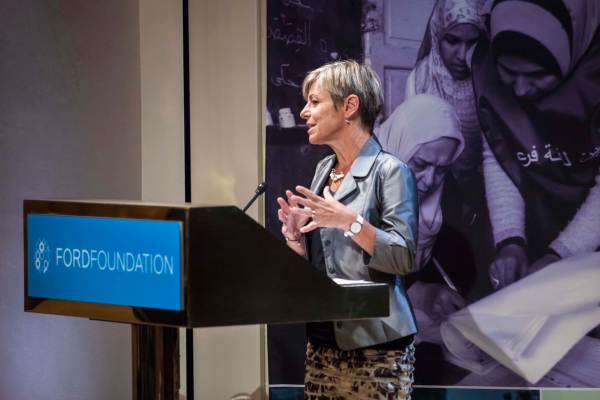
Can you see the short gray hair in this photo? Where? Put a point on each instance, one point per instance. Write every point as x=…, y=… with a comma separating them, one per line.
x=343, y=78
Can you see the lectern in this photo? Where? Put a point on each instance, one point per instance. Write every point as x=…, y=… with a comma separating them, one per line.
x=176, y=266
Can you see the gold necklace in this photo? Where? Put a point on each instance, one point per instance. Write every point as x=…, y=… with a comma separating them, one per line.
x=335, y=175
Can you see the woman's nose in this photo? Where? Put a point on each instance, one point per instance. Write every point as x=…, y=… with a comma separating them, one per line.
x=461, y=53
x=304, y=114
x=520, y=86
x=428, y=177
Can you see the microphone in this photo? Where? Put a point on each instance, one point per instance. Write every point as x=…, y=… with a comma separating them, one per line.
x=260, y=189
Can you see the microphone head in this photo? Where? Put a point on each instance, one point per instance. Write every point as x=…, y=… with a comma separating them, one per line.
x=260, y=189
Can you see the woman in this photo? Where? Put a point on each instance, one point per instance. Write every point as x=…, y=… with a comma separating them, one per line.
x=538, y=93
x=357, y=221
x=443, y=70
x=424, y=131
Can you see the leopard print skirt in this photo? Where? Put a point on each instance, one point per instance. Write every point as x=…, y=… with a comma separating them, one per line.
x=333, y=374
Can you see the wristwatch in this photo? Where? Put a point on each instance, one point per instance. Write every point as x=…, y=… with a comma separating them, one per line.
x=355, y=227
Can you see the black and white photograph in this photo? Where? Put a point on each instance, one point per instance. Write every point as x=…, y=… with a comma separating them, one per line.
x=495, y=108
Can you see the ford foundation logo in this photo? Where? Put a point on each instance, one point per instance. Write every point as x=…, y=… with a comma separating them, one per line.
x=42, y=256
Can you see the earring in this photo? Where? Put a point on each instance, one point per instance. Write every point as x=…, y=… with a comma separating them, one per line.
x=347, y=121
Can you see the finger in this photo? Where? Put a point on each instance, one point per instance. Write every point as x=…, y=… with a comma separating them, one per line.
x=501, y=273
x=303, y=219
x=457, y=301
x=306, y=211
x=309, y=227
x=327, y=193
x=446, y=301
x=309, y=194
x=283, y=204
x=509, y=271
x=522, y=268
x=448, y=307
x=494, y=275
x=303, y=201
x=289, y=194
x=282, y=217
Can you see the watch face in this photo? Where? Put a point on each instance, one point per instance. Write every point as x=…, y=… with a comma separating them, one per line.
x=355, y=227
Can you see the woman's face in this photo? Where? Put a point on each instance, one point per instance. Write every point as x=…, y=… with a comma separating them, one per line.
x=430, y=164
x=454, y=47
x=323, y=119
x=528, y=80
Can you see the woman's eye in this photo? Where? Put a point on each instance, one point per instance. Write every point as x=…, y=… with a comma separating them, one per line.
x=418, y=165
x=539, y=74
x=451, y=39
x=505, y=73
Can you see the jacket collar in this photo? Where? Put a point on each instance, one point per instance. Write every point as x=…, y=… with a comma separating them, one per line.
x=360, y=168
x=365, y=159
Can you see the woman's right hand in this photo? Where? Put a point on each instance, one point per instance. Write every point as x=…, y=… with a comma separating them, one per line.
x=509, y=265
x=446, y=302
x=290, y=216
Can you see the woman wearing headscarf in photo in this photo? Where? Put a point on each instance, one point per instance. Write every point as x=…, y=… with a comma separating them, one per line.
x=424, y=132
x=538, y=93
x=443, y=70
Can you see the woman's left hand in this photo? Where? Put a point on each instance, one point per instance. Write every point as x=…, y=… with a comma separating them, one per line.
x=326, y=212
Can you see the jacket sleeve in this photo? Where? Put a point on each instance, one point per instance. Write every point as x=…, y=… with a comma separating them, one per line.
x=396, y=235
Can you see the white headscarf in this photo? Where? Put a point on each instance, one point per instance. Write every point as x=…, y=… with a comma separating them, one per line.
x=432, y=76
x=422, y=119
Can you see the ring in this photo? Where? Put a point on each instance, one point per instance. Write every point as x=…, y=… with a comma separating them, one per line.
x=495, y=282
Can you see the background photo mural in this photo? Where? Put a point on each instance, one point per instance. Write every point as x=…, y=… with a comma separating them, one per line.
x=508, y=291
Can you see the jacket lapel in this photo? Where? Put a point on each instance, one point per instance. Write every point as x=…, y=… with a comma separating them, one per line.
x=360, y=169
x=347, y=187
x=322, y=174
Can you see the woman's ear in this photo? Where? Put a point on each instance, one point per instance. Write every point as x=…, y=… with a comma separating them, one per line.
x=351, y=106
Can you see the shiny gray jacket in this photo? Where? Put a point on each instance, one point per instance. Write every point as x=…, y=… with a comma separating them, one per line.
x=381, y=188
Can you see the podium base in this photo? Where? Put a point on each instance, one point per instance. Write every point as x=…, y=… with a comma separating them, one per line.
x=155, y=362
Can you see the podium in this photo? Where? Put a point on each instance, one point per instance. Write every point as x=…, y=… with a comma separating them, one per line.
x=177, y=265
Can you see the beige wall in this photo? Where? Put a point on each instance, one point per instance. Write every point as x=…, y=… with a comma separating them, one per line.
x=92, y=107
x=225, y=100
x=162, y=114
x=226, y=145
x=226, y=148
x=69, y=128
x=161, y=70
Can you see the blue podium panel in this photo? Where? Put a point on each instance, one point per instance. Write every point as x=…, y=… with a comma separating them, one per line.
x=117, y=261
